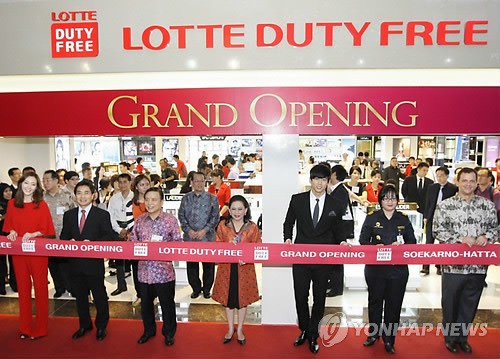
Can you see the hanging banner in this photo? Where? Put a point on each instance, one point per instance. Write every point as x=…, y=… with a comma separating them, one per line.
x=254, y=111
x=270, y=253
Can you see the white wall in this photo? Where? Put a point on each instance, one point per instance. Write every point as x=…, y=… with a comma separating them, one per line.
x=21, y=152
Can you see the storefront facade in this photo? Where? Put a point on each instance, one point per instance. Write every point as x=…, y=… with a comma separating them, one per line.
x=225, y=68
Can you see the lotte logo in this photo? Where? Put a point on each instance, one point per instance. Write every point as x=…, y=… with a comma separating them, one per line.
x=74, y=34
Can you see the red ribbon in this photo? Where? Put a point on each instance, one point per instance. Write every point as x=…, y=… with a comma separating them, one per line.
x=271, y=253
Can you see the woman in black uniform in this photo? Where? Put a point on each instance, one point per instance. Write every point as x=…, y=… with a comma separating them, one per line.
x=386, y=283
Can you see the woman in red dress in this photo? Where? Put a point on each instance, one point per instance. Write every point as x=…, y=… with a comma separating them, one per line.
x=235, y=284
x=222, y=191
x=28, y=217
x=373, y=188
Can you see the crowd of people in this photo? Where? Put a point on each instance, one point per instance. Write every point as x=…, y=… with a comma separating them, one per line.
x=129, y=207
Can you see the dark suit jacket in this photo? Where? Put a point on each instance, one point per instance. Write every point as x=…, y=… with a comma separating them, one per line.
x=411, y=194
x=341, y=194
x=329, y=228
x=449, y=190
x=97, y=228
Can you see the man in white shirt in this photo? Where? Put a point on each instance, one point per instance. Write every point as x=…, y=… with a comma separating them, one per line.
x=122, y=220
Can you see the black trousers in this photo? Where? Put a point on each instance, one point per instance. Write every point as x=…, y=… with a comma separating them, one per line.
x=303, y=275
x=121, y=267
x=165, y=293
x=460, y=295
x=135, y=271
x=384, y=294
x=81, y=285
x=193, y=273
x=336, y=279
x=59, y=271
x=429, y=239
x=4, y=271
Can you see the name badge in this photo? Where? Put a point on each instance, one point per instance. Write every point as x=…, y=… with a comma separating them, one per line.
x=355, y=189
x=400, y=239
x=156, y=238
x=60, y=210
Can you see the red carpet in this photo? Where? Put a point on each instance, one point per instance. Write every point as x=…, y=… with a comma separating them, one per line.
x=204, y=340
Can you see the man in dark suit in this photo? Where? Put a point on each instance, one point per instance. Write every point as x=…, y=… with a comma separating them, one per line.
x=88, y=223
x=339, y=191
x=437, y=192
x=318, y=217
x=415, y=187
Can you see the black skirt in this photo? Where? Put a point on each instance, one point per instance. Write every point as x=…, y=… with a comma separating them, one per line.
x=233, y=300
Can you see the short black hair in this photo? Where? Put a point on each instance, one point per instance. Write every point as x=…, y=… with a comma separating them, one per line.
x=422, y=164
x=53, y=174
x=125, y=175
x=444, y=169
x=11, y=170
x=320, y=171
x=385, y=191
x=69, y=174
x=466, y=170
x=340, y=172
x=87, y=183
x=154, y=189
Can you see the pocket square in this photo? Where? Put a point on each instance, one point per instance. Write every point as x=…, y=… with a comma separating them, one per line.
x=332, y=214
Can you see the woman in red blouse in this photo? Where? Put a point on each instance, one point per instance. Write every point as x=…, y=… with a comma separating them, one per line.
x=28, y=217
x=221, y=190
x=235, y=284
x=373, y=188
x=141, y=184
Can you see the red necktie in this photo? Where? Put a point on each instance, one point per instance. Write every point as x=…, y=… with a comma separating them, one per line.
x=82, y=221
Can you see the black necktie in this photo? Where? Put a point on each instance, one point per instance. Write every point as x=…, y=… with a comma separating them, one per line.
x=316, y=213
x=420, y=184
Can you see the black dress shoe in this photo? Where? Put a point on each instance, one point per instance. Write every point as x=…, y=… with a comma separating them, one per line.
x=207, y=295
x=144, y=338
x=169, y=341
x=81, y=332
x=332, y=293
x=195, y=295
x=118, y=291
x=370, y=341
x=389, y=348
x=424, y=271
x=3, y=291
x=227, y=340
x=101, y=334
x=313, y=346
x=451, y=346
x=300, y=339
x=465, y=347
x=58, y=294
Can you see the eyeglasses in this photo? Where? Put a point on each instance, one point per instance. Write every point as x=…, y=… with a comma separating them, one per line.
x=389, y=199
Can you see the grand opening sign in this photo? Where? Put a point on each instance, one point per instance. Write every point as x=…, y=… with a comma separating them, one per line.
x=230, y=111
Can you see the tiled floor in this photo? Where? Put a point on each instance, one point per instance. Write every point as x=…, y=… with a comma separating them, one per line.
x=419, y=306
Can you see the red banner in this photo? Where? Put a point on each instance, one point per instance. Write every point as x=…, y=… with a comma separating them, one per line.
x=270, y=253
x=238, y=111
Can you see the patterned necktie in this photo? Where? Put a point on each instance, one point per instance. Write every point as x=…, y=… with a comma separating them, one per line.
x=316, y=213
x=82, y=221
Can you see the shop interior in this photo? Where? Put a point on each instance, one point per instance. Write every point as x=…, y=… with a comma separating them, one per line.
x=423, y=292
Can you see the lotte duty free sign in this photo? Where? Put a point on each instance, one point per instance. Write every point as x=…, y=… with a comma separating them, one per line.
x=74, y=34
